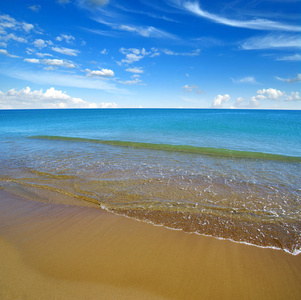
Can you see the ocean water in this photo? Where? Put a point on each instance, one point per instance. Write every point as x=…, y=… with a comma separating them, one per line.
x=231, y=174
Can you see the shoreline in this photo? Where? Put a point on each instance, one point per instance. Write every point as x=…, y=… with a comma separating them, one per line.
x=66, y=250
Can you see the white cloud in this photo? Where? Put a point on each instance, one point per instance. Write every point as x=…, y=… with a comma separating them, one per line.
x=249, y=79
x=266, y=94
x=295, y=57
x=66, y=37
x=100, y=73
x=63, y=79
x=13, y=37
x=52, y=98
x=269, y=94
x=219, y=100
x=7, y=21
x=259, y=24
x=43, y=54
x=170, y=52
x=35, y=7
x=27, y=27
x=66, y=51
x=4, y=52
x=39, y=43
x=133, y=55
x=148, y=31
x=294, y=96
x=104, y=51
x=32, y=60
x=58, y=63
x=290, y=80
x=50, y=68
x=190, y=88
x=135, y=70
x=130, y=82
x=53, y=63
x=272, y=41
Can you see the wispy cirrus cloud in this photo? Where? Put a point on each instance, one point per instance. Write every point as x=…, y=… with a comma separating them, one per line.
x=257, y=24
x=290, y=80
x=272, y=41
x=61, y=79
x=146, y=31
x=192, y=53
x=295, y=57
x=248, y=79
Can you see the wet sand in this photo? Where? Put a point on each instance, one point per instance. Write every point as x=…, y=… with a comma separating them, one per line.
x=55, y=251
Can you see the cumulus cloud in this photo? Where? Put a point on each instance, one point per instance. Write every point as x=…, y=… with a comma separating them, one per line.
x=65, y=51
x=13, y=37
x=53, y=63
x=294, y=96
x=219, y=100
x=52, y=98
x=4, y=52
x=39, y=43
x=269, y=94
x=58, y=63
x=133, y=55
x=266, y=94
x=290, y=80
x=27, y=27
x=9, y=23
x=100, y=73
x=35, y=7
x=191, y=88
x=65, y=37
x=32, y=60
x=135, y=70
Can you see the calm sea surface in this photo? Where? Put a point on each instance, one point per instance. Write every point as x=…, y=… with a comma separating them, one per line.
x=232, y=174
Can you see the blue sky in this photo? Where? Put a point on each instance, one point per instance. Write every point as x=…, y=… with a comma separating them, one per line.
x=159, y=53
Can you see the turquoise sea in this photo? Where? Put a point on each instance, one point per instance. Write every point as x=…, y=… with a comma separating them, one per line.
x=232, y=174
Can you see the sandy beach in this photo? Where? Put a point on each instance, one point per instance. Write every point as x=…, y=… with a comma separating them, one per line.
x=55, y=251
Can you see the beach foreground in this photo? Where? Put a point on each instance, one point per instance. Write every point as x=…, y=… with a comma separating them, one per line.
x=55, y=251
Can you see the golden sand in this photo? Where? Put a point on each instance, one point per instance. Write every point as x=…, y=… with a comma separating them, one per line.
x=55, y=251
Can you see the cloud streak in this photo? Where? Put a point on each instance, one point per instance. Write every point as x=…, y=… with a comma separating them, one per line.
x=291, y=80
x=257, y=24
x=272, y=41
x=60, y=79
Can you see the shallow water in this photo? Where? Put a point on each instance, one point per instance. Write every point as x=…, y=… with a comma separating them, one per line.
x=151, y=165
